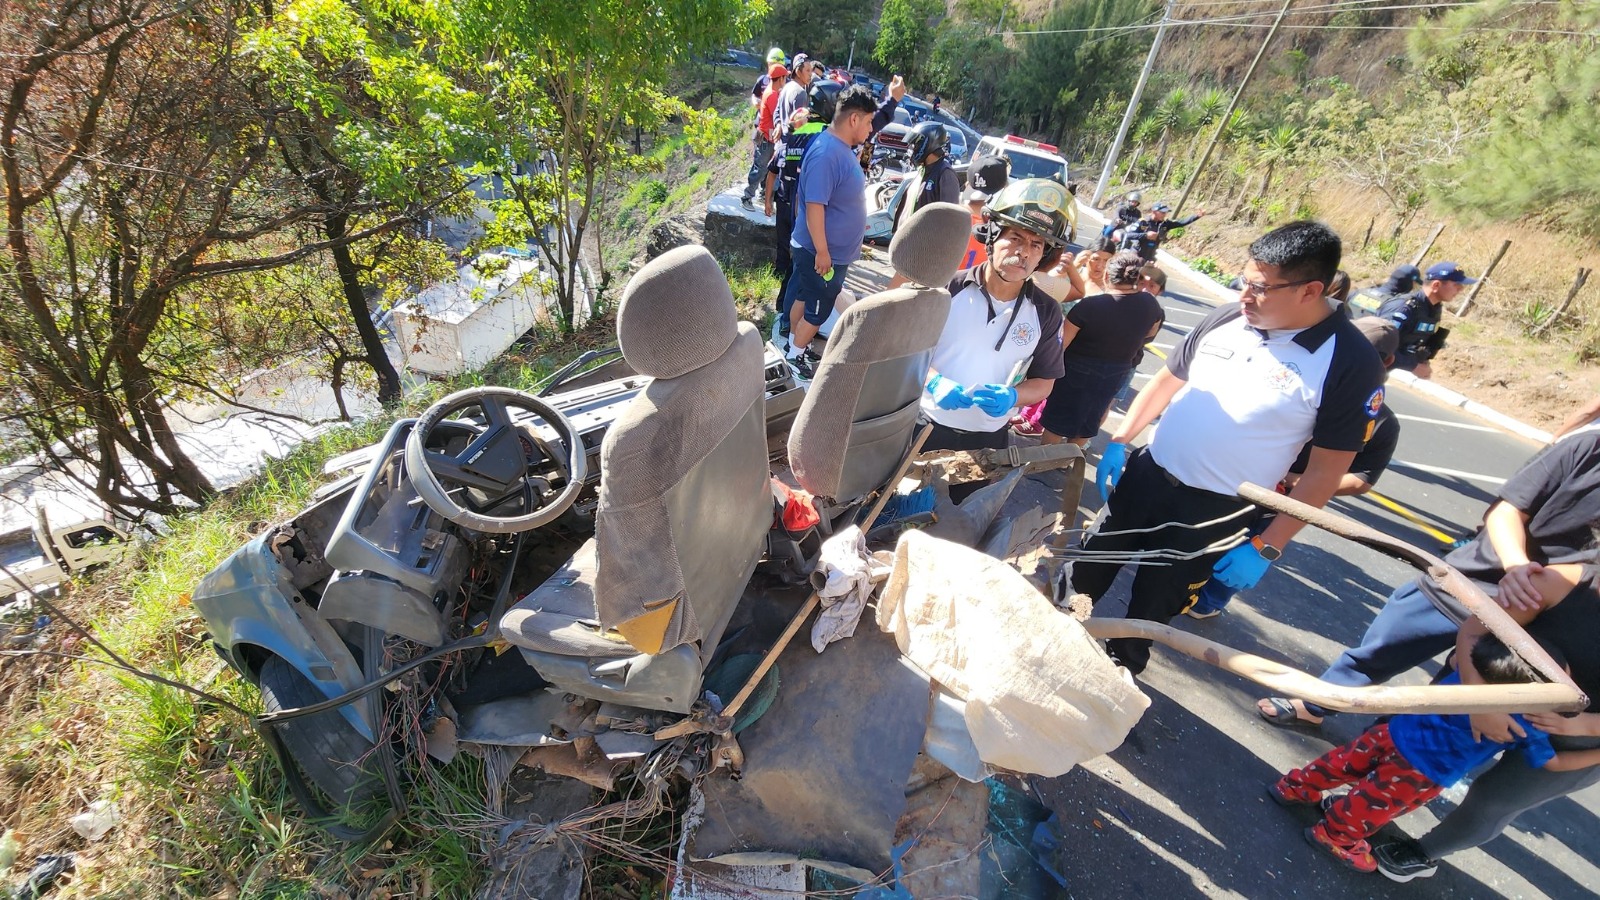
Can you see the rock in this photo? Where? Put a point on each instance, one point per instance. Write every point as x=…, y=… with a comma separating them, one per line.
x=676, y=232
x=735, y=234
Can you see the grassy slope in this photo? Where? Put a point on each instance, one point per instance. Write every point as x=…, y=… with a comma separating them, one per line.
x=203, y=813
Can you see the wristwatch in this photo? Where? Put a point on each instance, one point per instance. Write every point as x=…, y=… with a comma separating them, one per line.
x=1267, y=551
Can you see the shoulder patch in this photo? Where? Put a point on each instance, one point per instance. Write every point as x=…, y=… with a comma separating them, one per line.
x=1375, y=404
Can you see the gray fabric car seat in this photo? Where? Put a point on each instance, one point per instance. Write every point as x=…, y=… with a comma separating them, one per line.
x=684, y=502
x=861, y=408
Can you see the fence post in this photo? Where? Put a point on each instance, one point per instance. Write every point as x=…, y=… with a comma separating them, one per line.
x=1472, y=294
x=1437, y=230
x=1577, y=285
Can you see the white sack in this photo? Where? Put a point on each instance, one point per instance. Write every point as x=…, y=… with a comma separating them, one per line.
x=1041, y=695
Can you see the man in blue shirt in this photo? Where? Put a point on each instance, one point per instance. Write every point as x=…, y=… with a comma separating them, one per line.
x=830, y=221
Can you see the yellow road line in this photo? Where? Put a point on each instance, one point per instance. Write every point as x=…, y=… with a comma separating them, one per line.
x=1409, y=516
x=1156, y=350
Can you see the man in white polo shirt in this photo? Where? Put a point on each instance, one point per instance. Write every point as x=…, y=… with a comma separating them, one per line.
x=1250, y=385
x=1001, y=345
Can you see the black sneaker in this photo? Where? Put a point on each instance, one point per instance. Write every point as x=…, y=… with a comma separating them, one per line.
x=1404, y=860
x=804, y=365
x=747, y=202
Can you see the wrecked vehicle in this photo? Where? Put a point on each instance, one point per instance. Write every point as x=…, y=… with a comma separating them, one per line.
x=608, y=574
x=604, y=573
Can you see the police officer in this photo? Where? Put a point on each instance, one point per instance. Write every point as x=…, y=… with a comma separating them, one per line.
x=1417, y=315
x=783, y=176
x=1369, y=301
x=1147, y=234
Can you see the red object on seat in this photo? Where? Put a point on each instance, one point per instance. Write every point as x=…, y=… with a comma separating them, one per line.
x=799, y=512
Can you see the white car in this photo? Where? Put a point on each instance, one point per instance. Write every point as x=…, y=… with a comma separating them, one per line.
x=1029, y=159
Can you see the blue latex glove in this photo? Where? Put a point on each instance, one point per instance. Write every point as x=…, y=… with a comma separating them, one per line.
x=995, y=399
x=947, y=394
x=1109, y=470
x=1241, y=568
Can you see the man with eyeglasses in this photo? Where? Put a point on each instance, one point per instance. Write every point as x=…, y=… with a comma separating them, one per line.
x=1253, y=383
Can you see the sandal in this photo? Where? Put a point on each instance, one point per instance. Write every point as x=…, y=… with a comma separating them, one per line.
x=1357, y=856
x=1289, y=796
x=1285, y=713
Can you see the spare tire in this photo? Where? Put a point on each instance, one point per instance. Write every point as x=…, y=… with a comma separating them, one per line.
x=336, y=757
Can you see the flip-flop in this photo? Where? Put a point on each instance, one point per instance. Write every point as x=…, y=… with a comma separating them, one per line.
x=1284, y=714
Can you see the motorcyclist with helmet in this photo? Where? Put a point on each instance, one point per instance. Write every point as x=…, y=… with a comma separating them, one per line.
x=929, y=145
x=1001, y=344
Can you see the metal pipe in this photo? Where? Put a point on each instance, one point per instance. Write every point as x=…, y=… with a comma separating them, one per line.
x=1373, y=700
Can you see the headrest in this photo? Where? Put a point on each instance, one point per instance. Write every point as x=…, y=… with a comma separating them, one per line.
x=930, y=243
x=676, y=314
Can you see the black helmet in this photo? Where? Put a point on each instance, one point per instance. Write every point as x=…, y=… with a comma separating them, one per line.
x=824, y=96
x=1039, y=205
x=926, y=138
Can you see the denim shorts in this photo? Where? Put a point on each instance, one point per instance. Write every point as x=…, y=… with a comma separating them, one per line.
x=816, y=292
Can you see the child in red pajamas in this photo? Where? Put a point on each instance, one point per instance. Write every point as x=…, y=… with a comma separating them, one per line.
x=1399, y=765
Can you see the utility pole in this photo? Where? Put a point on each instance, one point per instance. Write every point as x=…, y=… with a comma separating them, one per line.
x=1222, y=124
x=1133, y=107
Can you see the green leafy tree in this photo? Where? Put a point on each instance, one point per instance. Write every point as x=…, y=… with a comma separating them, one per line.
x=136, y=159
x=905, y=34
x=1172, y=115
x=1539, y=153
x=1274, y=148
x=563, y=84
x=823, y=28
x=371, y=128
x=969, y=62
x=1076, y=57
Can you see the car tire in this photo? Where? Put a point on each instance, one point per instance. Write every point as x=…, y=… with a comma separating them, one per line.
x=332, y=754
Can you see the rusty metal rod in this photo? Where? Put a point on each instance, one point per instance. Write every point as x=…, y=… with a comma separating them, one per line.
x=1453, y=582
x=1376, y=699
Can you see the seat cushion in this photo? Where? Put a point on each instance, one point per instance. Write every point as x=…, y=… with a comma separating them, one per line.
x=559, y=616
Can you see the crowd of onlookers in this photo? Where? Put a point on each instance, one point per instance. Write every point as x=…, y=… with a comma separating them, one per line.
x=1285, y=388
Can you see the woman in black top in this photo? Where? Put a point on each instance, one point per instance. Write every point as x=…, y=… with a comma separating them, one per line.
x=1569, y=619
x=1102, y=337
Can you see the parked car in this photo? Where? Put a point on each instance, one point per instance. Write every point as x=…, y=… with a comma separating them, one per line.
x=742, y=59
x=1029, y=159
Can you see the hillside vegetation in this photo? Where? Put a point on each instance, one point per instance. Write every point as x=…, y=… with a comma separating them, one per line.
x=1386, y=119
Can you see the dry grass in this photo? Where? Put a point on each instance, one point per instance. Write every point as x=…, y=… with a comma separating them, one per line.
x=1491, y=357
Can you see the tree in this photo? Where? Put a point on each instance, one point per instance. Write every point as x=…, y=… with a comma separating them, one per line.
x=1273, y=148
x=562, y=84
x=825, y=29
x=1171, y=115
x=135, y=174
x=370, y=128
x=968, y=62
x=1539, y=154
x=905, y=34
x=1076, y=57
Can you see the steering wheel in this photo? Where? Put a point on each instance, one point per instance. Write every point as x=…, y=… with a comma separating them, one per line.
x=494, y=464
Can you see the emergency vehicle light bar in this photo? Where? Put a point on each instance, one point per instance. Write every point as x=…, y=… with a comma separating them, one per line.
x=1032, y=145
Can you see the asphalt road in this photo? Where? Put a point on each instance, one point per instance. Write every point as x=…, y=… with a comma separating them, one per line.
x=1179, y=811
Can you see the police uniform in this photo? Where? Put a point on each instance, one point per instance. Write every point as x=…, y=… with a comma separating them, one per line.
x=1417, y=320
x=986, y=341
x=785, y=167
x=1250, y=401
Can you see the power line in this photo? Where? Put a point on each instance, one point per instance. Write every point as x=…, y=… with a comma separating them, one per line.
x=1241, y=20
